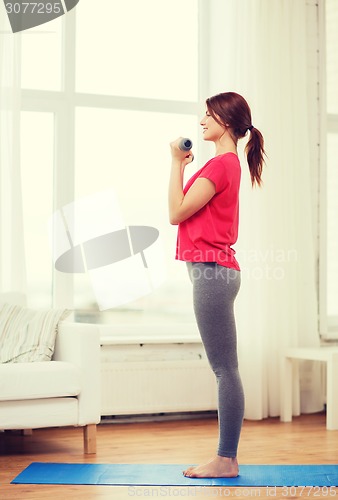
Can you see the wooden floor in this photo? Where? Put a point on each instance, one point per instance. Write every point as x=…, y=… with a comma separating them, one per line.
x=304, y=441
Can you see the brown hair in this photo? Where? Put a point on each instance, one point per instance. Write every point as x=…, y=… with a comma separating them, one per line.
x=231, y=110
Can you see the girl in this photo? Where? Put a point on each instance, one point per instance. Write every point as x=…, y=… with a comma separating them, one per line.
x=206, y=212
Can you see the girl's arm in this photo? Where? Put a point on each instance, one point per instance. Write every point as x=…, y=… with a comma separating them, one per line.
x=181, y=206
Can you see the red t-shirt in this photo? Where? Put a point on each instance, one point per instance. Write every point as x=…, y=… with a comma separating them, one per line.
x=208, y=234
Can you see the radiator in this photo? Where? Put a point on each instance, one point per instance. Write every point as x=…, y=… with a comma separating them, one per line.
x=154, y=379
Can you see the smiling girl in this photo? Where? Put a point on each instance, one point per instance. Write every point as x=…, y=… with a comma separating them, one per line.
x=206, y=212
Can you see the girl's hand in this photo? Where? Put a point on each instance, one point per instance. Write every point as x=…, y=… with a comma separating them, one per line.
x=184, y=157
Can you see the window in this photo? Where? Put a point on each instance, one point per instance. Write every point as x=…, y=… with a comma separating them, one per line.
x=332, y=165
x=41, y=53
x=37, y=197
x=138, y=49
x=120, y=154
x=106, y=88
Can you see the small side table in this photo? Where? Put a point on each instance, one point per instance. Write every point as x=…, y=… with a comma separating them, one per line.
x=290, y=380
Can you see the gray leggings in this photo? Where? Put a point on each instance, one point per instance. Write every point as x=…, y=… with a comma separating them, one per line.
x=214, y=290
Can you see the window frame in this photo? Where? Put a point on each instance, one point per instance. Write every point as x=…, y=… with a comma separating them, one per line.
x=328, y=124
x=63, y=104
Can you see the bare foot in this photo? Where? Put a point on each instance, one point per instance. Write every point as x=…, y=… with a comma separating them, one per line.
x=217, y=467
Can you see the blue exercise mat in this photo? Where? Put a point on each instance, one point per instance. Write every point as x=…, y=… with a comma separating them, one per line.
x=171, y=475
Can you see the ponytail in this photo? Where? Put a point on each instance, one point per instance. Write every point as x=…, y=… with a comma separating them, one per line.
x=231, y=109
x=255, y=155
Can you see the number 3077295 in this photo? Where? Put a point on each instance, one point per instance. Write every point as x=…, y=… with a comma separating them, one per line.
x=34, y=8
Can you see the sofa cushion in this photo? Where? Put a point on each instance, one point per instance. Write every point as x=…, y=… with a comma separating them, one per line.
x=39, y=380
x=28, y=335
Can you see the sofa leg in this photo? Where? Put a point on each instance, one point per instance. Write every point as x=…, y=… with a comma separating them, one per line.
x=26, y=432
x=89, y=438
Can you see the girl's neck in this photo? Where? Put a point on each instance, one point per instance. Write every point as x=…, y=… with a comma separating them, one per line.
x=223, y=151
x=225, y=145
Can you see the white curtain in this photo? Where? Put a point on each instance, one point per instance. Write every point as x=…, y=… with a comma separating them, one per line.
x=12, y=255
x=259, y=48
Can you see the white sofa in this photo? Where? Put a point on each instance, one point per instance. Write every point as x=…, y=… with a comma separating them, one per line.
x=62, y=392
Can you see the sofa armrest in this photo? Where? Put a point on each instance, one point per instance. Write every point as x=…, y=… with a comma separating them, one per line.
x=79, y=343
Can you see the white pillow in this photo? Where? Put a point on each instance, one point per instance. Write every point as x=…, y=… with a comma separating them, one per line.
x=27, y=335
